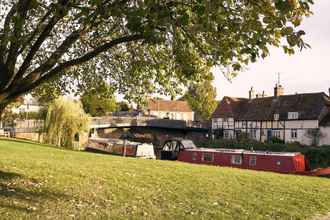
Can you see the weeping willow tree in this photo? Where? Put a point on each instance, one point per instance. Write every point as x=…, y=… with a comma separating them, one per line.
x=65, y=119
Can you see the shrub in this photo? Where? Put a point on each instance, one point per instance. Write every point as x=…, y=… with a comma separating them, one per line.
x=65, y=119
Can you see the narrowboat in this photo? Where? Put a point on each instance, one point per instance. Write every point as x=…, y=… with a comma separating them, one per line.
x=120, y=147
x=280, y=162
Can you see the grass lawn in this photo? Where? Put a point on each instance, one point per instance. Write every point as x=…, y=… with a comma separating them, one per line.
x=38, y=181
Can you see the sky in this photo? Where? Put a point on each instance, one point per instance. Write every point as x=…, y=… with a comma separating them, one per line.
x=304, y=72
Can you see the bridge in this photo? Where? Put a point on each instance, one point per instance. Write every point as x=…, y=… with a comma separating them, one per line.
x=31, y=126
x=143, y=121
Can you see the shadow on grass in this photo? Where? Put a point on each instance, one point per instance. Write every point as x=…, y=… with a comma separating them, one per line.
x=21, y=140
x=22, y=194
x=25, y=141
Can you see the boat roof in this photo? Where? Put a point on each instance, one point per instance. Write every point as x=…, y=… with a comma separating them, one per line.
x=241, y=151
x=113, y=141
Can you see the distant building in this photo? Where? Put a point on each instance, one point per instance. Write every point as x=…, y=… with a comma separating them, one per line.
x=29, y=104
x=303, y=118
x=168, y=109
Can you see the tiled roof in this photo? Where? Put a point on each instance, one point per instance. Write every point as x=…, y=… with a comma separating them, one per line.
x=168, y=106
x=309, y=106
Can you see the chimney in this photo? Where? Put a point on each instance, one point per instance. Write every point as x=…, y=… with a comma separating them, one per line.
x=278, y=90
x=251, y=93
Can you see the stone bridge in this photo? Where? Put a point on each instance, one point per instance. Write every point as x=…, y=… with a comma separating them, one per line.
x=142, y=121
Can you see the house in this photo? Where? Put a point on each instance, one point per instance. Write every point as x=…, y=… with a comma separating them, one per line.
x=29, y=104
x=169, y=109
x=303, y=118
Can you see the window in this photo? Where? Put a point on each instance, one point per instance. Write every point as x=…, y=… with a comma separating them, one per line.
x=244, y=124
x=294, y=133
x=236, y=159
x=253, y=133
x=262, y=132
x=226, y=134
x=293, y=115
x=194, y=156
x=253, y=161
x=276, y=117
x=277, y=133
x=278, y=163
x=208, y=157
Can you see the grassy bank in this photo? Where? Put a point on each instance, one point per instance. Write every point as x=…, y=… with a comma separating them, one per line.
x=38, y=181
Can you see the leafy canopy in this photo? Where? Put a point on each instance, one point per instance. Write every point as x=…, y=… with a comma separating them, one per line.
x=202, y=98
x=99, y=101
x=137, y=46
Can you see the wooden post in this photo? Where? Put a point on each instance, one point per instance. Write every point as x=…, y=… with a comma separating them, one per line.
x=260, y=131
x=124, y=153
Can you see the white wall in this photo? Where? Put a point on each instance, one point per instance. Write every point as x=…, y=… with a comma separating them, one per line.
x=302, y=127
x=186, y=116
x=325, y=139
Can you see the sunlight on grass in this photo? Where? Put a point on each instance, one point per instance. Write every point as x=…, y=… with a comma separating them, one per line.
x=43, y=181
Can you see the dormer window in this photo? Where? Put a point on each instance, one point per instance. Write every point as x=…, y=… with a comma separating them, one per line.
x=276, y=117
x=293, y=115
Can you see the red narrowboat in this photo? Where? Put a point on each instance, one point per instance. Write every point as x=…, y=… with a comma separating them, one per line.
x=281, y=162
x=255, y=160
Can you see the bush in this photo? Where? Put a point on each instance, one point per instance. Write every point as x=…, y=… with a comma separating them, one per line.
x=65, y=119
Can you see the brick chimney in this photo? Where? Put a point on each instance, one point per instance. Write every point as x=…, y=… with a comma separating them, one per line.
x=278, y=90
x=252, y=93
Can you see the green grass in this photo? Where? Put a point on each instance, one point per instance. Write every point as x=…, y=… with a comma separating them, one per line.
x=38, y=181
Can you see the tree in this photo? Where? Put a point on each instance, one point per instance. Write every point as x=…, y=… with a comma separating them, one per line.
x=100, y=100
x=123, y=106
x=202, y=98
x=65, y=119
x=7, y=116
x=137, y=46
x=97, y=105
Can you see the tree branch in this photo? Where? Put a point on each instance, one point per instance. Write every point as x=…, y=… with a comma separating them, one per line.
x=6, y=29
x=35, y=47
x=36, y=30
x=22, y=9
x=29, y=83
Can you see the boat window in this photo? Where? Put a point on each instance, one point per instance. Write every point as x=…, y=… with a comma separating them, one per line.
x=236, y=159
x=278, y=163
x=253, y=161
x=208, y=157
x=194, y=156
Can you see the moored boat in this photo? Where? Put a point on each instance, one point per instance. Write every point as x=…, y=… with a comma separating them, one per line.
x=280, y=162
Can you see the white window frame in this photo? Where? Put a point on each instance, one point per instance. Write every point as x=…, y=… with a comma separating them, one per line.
x=276, y=117
x=194, y=156
x=293, y=115
x=208, y=154
x=253, y=161
x=236, y=159
x=226, y=134
x=276, y=133
x=294, y=133
x=254, y=133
